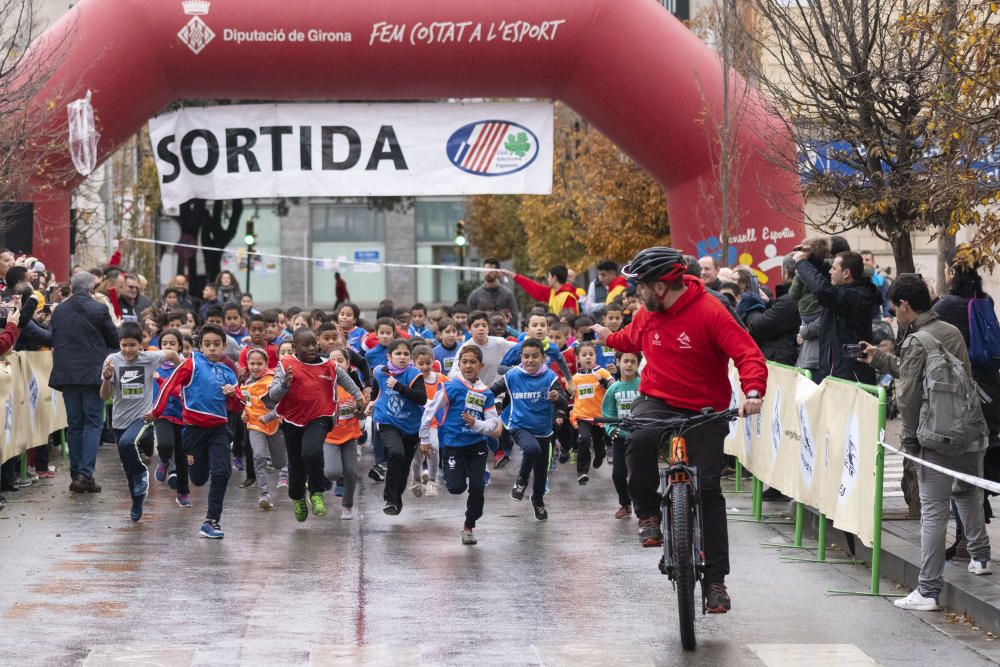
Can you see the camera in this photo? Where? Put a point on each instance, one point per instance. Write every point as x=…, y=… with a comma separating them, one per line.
x=853, y=351
x=589, y=336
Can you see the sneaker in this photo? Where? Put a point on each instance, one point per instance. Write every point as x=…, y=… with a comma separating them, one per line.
x=346, y=513
x=583, y=479
x=598, y=461
x=432, y=489
x=717, y=601
x=554, y=464
x=265, y=502
x=486, y=478
x=468, y=538
x=248, y=482
x=377, y=473
x=540, y=512
x=183, y=501
x=417, y=488
x=517, y=492
x=46, y=474
x=338, y=489
x=917, y=602
x=136, y=512
x=980, y=567
x=425, y=476
x=611, y=456
x=649, y=532
x=141, y=484
x=318, y=506
x=211, y=530
x=563, y=455
x=239, y=463
x=282, y=480
x=500, y=459
x=623, y=512
x=391, y=508
x=78, y=485
x=301, y=509
x=172, y=480
x=161, y=472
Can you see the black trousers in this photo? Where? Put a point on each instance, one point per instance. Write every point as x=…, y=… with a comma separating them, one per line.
x=619, y=470
x=304, y=445
x=464, y=468
x=399, y=450
x=169, y=444
x=535, y=456
x=705, y=452
x=588, y=434
x=207, y=451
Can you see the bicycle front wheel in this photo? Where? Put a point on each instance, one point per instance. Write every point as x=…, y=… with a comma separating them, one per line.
x=681, y=521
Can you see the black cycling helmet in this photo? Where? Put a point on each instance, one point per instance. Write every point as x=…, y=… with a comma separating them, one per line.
x=657, y=263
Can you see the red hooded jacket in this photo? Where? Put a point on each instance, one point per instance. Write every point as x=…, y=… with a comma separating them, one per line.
x=688, y=348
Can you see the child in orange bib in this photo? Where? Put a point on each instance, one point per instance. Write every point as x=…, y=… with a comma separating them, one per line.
x=591, y=384
x=340, y=452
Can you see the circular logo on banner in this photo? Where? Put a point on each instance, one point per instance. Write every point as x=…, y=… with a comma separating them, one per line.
x=492, y=147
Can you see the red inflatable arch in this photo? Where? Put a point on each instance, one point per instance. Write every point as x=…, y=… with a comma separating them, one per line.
x=628, y=66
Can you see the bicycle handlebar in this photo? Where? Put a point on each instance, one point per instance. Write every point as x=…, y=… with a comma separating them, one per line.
x=677, y=423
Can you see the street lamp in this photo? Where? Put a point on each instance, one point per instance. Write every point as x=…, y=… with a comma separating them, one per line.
x=460, y=242
x=251, y=240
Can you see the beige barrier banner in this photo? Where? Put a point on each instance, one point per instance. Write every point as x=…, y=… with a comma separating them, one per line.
x=815, y=443
x=29, y=409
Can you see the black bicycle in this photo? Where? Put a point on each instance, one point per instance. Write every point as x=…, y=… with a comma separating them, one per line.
x=683, y=559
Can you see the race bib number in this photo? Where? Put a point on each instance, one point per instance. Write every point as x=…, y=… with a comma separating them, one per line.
x=345, y=410
x=449, y=363
x=625, y=409
x=475, y=402
x=608, y=351
x=132, y=382
x=585, y=391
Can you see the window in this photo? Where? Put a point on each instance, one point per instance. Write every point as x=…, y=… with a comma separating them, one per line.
x=436, y=220
x=341, y=223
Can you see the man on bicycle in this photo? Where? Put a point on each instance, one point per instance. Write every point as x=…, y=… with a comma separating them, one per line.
x=687, y=338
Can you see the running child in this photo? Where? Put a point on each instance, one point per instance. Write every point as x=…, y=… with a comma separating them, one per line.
x=340, y=451
x=466, y=415
x=305, y=391
x=425, y=462
x=618, y=403
x=591, y=384
x=397, y=405
x=347, y=322
x=168, y=427
x=446, y=350
x=266, y=440
x=128, y=379
x=418, y=323
x=208, y=388
x=532, y=388
x=385, y=332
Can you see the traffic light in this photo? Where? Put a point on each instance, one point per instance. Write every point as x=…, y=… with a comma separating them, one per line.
x=251, y=238
x=460, y=240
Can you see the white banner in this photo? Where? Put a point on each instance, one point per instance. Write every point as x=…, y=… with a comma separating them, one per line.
x=338, y=150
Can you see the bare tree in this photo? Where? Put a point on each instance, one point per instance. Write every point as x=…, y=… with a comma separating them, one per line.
x=894, y=105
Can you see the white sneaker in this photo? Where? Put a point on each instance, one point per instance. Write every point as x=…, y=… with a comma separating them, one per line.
x=432, y=489
x=346, y=513
x=265, y=502
x=917, y=602
x=980, y=567
x=424, y=475
x=418, y=489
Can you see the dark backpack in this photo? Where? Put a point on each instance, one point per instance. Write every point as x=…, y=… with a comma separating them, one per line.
x=984, y=335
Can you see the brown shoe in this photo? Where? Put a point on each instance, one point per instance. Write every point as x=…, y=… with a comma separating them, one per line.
x=78, y=485
x=623, y=512
x=90, y=486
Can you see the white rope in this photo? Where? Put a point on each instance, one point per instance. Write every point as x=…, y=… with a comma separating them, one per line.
x=968, y=479
x=438, y=267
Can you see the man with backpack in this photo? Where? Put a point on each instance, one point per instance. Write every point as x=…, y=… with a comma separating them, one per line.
x=942, y=423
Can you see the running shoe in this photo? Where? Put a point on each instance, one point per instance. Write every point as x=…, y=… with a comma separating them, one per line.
x=318, y=506
x=650, y=534
x=239, y=463
x=161, y=472
x=391, y=508
x=338, y=489
x=500, y=459
x=468, y=537
x=282, y=480
x=917, y=602
x=46, y=474
x=540, y=512
x=417, y=488
x=717, y=601
x=172, y=480
x=623, y=512
x=211, y=530
x=980, y=567
x=301, y=509
x=517, y=491
x=248, y=482
x=377, y=473
x=486, y=478
x=183, y=501
x=563, y=455
x=425, y=476
x=346, y=513
x=141, y=484
x=583, y=479
x=432, y=489
x=265, y=502
x=136, y=512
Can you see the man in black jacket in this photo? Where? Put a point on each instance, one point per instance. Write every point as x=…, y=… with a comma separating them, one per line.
x=774, y=328
x=848, y=301
x=82, y=337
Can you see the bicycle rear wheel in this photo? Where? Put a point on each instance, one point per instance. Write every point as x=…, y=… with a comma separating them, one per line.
x=681, y=517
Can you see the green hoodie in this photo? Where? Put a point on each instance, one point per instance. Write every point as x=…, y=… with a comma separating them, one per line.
x=618, y=403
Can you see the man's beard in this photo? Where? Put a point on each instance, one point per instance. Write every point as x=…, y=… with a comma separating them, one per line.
x=653, y=304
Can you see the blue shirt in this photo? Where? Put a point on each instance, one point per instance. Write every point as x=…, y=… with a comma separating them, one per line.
x=445, y=357
x=513, y=356
x=391, y=407
x=204, y=391
x=456, y=398
x=530, y=408
x=355, y=337
x=377, y=356
x=422, y=332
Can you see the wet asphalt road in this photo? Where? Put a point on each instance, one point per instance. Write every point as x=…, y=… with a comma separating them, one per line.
x=82, y=584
